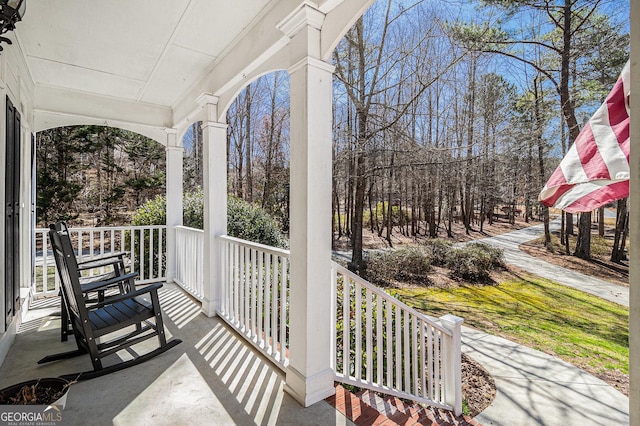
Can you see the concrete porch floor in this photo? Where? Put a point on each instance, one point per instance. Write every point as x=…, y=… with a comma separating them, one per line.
x=212, y=378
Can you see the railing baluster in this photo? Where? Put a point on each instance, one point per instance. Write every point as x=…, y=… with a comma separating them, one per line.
x=369, y=336
x=423, y=360
x=151, y=232
x=245, y=287
x=254, y=299
x=389, y=338
x=261, y=314
x=406, y=348
x=436, y=367
x=268, y=302
x=132, y=251
x=275, y=309
x=430, y=357
x=346, y=324
x=236, y=282
x=379, y=340
x=102, y=248
x=141, y=253
x=398, y=346
x=161, y=238
x=334, y=317
x=224, y=273
x=79, y=252
x=358, y=320
x=284, y=304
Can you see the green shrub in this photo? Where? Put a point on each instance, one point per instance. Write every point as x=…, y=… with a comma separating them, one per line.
x=410, y=264
x=474, y=261
x=153, y=212
x=192, y=209
x=496, y=255
x=244, y=220
x=438, y=249
x=250, y=222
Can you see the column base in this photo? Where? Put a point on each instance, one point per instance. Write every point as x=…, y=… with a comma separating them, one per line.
x=209, y=308
x=309, y=390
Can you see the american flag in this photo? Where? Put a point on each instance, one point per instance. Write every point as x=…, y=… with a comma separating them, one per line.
x=595, y=171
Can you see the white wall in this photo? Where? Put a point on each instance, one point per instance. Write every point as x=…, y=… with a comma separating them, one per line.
x=16, y=83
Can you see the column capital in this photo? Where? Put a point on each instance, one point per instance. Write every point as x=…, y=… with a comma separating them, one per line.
x=174, y=148
x=310, y=61
x=172, y=139
x=207, y=99
x=209, y=104
x=214, y=124
x=307, y=14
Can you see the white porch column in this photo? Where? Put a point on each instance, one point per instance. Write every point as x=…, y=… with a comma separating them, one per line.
x=174, y=158
x=214, y=155
x=310, y=375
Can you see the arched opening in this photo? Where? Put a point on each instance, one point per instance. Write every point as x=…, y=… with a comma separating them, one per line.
x=257, y=147
x=95, y=175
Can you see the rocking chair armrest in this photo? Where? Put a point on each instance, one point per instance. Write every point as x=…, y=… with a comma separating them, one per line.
x=108, y=257
x=98, y=285
x=127, y=296
x=94, y=264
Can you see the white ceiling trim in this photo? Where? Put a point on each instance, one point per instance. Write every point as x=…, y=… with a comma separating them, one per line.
x=85, y=104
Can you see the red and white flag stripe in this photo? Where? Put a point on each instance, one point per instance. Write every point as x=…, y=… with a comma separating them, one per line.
x=595, y=171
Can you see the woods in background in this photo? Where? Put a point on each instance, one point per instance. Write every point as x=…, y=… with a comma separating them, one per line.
x=103, y=171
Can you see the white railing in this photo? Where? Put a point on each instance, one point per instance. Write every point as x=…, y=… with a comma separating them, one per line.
x=145, y=244
x=189, y=260
x=386, y=346
x=255, y=295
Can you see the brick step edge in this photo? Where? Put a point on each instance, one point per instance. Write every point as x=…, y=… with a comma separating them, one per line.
x=369, y=408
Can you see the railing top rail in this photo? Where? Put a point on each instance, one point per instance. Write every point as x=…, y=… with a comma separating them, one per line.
x=189, y=229
x=344, y=271
x=258, y=246
x=108, y=228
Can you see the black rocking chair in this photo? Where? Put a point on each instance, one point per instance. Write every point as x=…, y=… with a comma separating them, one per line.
x=136, y=310
x=113, y=266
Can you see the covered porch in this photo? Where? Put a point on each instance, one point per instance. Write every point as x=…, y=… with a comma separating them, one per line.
x=155, y=68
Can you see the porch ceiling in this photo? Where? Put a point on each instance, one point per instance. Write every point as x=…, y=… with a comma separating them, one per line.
x=142, y=64
x=148, y=51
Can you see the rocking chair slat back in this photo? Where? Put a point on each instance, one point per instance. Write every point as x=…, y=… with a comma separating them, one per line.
x=67, y=267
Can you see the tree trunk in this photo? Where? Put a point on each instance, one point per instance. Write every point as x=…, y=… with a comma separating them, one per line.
x=547, y=233
x=357, y=262
x=568, y=227
x=583, y=244
x=618, y=251
x=249, y=143
x=541, y=171
x=601, y=222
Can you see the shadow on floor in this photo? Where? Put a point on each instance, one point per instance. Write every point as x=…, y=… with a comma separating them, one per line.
x=211, y=378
